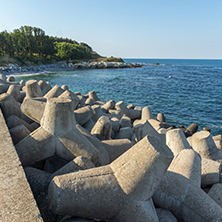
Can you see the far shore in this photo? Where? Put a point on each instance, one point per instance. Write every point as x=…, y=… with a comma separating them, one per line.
x=14, y=69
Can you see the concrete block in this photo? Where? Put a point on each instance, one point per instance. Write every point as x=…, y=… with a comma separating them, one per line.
x=115, y=124
x=121, y=106
x=44, y=86
x=13, y=121
x=116, y=113
x=146, y=113
x=203, y=143
x=192, y=128
x=14, y=90
x=54, y=163
x=65, y=87
x=102, y=128
x=108, y=105
x=79, y=163
x=185, y=200
x=215, y=193
x=125, y=121
x=54, y=92
x=125, y=133
x=9, y=106
x=70, y=95
x=93, y=96
x=160, y=117
x=137, y=211
x=188, y=164
x=57, y=135
x=210, y=172
x=97, y=112
x=165, y=215
x=83, y=114
x=116, y=147
x=104, y=158
x=89, y=125
x=17, y=201
x=33, y=89
x=18, y=133
x=134, y=114
x=103, y=192
x=34, y=108
x=89, y=102
x=10, y=79
x=144, y=128
x=176, y=141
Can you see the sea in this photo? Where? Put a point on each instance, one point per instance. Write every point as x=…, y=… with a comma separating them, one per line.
x=186, y=91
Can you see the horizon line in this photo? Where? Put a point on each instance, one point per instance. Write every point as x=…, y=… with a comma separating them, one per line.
x=171, y=58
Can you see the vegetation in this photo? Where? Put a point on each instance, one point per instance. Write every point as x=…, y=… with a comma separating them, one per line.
x=30, y=45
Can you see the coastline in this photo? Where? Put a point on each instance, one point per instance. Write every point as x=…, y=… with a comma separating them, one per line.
x=14, y=69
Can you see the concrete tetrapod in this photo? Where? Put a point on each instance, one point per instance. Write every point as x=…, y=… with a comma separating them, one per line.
x=33, y=89
x=176, y=141
x=188, y=202
x=34, y=108
x=203, y=143
x=210, y=172
x=57, y=135
x=188, y=164
x=102, y=128
x=104, y=192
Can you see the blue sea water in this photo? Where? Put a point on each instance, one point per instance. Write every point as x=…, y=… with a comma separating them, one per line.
x=186, y=91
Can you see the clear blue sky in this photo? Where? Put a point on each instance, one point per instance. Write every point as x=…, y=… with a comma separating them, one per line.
x=127, y=29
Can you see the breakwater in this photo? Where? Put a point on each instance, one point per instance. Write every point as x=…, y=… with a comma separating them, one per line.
x=101, y=160
x=14, y=68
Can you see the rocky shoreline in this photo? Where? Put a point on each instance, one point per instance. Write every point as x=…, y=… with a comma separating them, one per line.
x=91, y=160
x=63, y=66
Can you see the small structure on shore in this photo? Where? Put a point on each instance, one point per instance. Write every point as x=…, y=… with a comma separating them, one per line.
x=86, y=158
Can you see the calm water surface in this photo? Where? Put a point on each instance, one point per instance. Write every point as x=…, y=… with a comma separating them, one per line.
x=186, y=91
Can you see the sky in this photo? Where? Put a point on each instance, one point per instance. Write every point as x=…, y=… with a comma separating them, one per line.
x=189, y=29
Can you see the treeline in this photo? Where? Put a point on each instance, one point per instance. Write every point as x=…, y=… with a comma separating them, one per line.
x=30, y=41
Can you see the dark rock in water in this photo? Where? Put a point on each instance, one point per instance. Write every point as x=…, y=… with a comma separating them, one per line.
x=156, y=63
x=192, y=128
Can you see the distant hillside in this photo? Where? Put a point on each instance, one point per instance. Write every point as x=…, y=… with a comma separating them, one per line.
x=30, y=45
